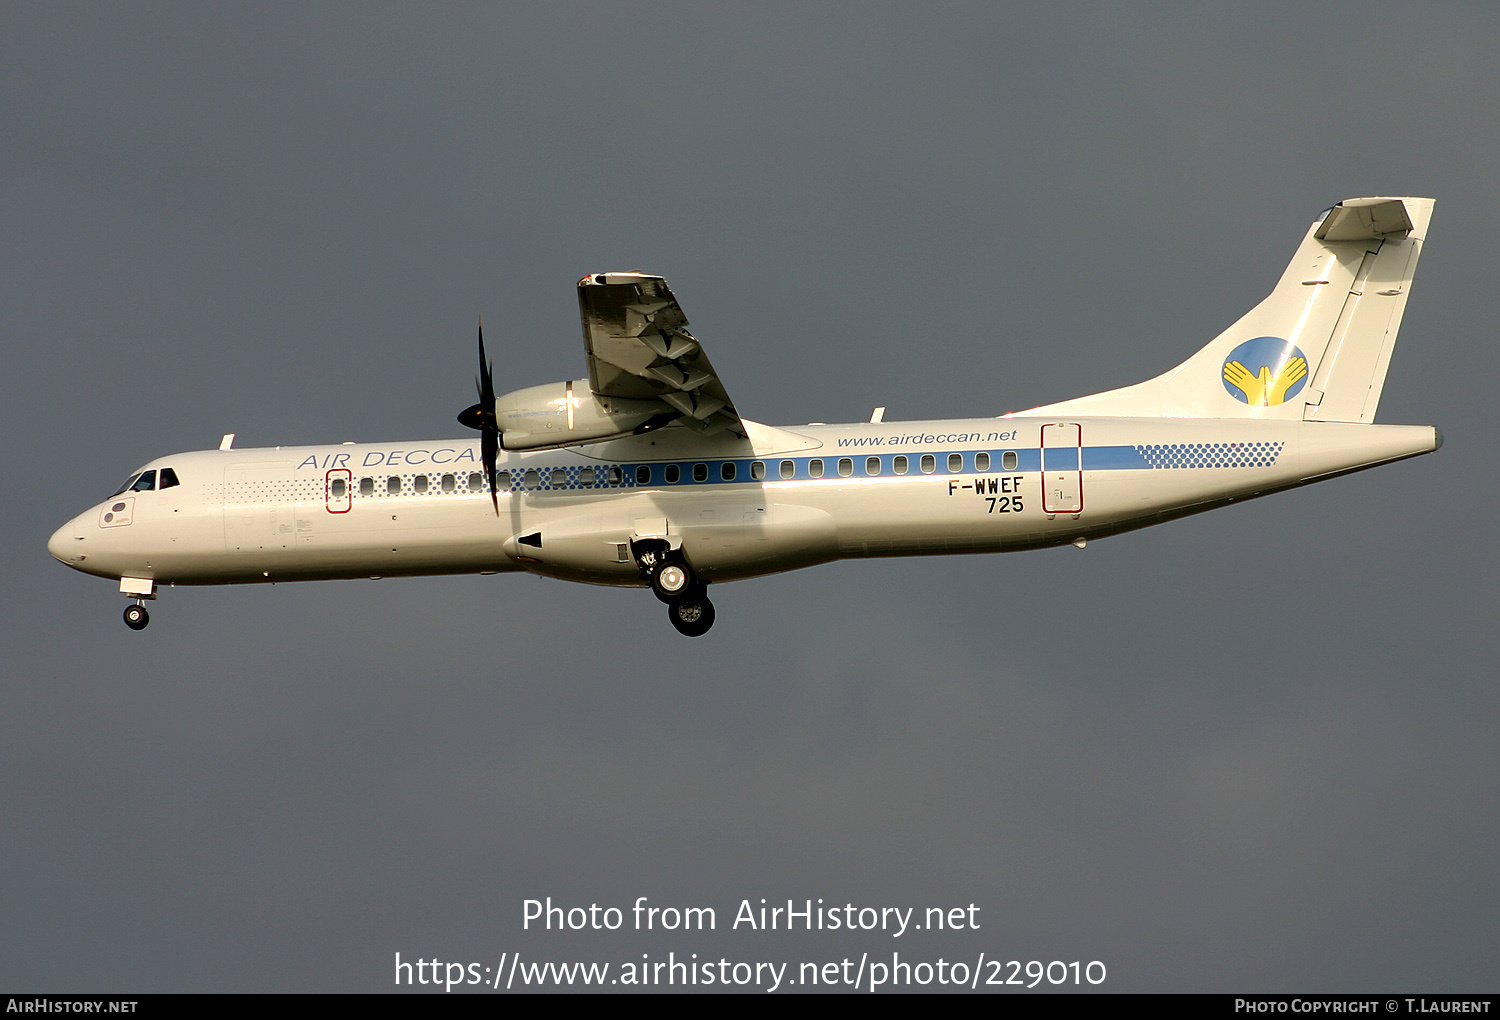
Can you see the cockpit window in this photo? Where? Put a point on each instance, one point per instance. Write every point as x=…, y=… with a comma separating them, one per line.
x=129, y=482
x=168, y=479
x=145, y=483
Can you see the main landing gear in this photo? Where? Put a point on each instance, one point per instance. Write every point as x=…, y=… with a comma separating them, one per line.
x=673, y=581
x=692, y=614
x=136, y=616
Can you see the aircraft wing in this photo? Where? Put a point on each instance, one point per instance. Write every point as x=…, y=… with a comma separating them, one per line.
x=639, y=348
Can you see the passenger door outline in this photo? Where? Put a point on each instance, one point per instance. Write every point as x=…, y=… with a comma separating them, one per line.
x=339, y=504
x=1062, y=469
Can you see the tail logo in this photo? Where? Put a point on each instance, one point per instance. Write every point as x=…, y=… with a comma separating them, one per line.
x=1265, y=372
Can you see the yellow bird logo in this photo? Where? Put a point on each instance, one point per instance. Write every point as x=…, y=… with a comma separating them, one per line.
x=1263, y=389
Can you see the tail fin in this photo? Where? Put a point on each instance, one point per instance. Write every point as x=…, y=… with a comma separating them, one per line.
x=1317, y=348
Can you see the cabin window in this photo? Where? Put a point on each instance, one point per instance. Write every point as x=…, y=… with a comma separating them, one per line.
x=928, y=463
x=419, y=483
x=615, y=475
x=533, y=480
x=476, y=481
x=503, y=480
x=673, y=474
x=393, y=485
x=899, y=465
x=757, y=469
x=955, y=462
x=727, y=471
x=168, y=479
x=788, y=469
x=145, y=483
x=586, y=476
x=1009, y=461
x=449, y=483
x=815, y=468
x=367, y=486
x=643, y=475
x=336, y=488
x=981, y=462
x=559, y=478
x=872, y=465
x=700, y=472
x=846, y=466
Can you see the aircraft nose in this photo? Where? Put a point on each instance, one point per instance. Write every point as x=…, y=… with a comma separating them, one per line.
x=61, y=544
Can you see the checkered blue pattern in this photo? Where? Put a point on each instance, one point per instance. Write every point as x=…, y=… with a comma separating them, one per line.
x=1211, y=455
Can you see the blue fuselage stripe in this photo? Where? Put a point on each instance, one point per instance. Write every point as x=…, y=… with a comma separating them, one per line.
x=673, y=474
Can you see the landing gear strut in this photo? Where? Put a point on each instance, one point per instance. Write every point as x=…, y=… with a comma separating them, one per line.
x=136, y=616
x=691, y=614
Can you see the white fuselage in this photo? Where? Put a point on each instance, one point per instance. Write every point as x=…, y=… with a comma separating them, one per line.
x=777, y=500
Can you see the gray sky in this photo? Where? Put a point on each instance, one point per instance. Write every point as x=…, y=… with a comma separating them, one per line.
x=1208, y=767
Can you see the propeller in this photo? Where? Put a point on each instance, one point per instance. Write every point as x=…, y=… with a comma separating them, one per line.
x=482, y=417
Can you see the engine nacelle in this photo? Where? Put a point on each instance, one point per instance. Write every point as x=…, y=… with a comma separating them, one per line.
x=567, y=413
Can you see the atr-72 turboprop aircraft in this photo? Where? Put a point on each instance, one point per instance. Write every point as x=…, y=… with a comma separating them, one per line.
x=645, y=475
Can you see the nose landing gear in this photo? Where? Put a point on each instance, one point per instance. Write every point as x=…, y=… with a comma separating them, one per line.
x=139, y=590
x=136, y=616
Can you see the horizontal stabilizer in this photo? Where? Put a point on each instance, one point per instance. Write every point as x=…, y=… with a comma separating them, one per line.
x=1362, y=219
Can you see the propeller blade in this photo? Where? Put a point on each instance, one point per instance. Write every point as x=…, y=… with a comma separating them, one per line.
x=482, y=417
x=486, y=380
x=489, y=448
x=489, y=436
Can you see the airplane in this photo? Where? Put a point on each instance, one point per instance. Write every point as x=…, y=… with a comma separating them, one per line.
x=644, y=473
